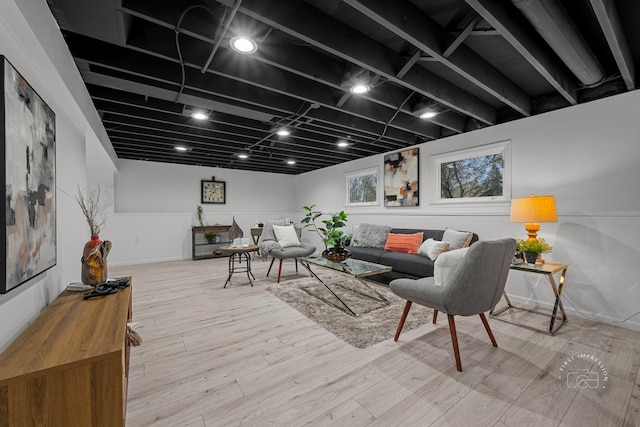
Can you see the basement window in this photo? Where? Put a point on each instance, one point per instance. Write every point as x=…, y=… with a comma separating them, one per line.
x=480, y=174
x=362, y=187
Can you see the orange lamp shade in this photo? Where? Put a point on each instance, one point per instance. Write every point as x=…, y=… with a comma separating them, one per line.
x=532, y=210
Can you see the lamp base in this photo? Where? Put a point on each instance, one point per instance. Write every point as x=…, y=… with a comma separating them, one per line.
x=532, y=231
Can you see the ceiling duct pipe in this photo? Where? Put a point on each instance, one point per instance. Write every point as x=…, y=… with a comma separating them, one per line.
x=553, y=23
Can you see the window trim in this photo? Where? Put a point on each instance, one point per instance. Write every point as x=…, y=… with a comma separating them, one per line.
x=502, y=147
x=362, y=172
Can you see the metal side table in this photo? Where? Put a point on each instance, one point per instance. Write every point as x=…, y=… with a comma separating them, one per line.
x=548, y=269
x=239, y=256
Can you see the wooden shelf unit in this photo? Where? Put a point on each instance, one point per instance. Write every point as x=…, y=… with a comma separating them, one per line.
x=70, y=366
x=201, y=249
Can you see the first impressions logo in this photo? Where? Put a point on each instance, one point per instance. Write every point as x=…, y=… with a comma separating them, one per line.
x=584, y=370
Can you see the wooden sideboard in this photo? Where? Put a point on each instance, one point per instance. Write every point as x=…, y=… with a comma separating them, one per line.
x=201, y=248
x=69, y=367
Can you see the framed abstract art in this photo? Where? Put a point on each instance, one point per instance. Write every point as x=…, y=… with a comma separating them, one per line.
x=401, y=171
x=28, y=135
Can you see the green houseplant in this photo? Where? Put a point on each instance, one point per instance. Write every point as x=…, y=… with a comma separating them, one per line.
x=209, y=236
x=199, y=215
x=330, y=232
x=532, y=248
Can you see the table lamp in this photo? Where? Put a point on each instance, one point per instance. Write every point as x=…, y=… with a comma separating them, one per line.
x=532, y=210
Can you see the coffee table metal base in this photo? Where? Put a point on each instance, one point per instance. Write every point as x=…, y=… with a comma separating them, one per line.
x=379, y=297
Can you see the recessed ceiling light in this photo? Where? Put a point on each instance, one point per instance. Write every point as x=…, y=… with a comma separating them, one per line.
x=291, y=162
x=180, y=148
x=199, y=115
x=429, y=114
x=243, y=156
x=359, y=88
x=283, y=132
x=342, y=143
x=244, y=45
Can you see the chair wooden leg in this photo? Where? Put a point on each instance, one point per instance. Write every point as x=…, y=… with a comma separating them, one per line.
x=279, y=271
x=270, y=265
x=407, y=307
x=435, y=316
x=454, y=341
x=486, y=326
x=296, y=260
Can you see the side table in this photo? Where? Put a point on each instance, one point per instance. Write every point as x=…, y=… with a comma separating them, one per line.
x=547, y=269
x=256, y=232
x=240, y=255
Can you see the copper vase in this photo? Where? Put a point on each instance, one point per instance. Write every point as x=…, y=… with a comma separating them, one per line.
x=94, y=261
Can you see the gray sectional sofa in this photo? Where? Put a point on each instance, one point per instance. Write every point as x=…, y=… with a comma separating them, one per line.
x=404, y=265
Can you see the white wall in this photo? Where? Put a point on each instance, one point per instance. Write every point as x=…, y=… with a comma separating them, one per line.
x=155, y=206
x=586, y=156
x=31, y=41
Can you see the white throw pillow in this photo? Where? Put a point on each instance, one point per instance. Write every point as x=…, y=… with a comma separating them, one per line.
x=286, y=235
x=446, y=264
x=432, y=248
x=457, y=239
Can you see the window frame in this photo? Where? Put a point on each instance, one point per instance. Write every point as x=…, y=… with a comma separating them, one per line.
x=502, y=147
x=359, y=173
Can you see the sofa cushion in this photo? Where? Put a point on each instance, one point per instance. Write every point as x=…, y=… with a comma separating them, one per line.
x=408, y=243
x=412, y=264
x=372, y=235
x=426, y=234
x=457, y=239
x=432, y=248
x=366, y=254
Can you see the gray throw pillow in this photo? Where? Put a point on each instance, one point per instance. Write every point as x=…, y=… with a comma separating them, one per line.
x=373, y=235
x=457, y=239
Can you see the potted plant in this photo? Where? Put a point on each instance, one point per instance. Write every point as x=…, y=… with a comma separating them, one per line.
x=199, y=215
x=332, y=236
x=532, y=248
x=209, y=236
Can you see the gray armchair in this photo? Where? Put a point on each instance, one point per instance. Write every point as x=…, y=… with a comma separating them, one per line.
x=475, y=286
x=269, y=246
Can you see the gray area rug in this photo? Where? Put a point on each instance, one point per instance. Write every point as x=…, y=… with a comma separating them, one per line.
x=376, y=321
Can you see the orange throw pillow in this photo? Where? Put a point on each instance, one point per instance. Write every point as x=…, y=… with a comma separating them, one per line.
x=409, y=243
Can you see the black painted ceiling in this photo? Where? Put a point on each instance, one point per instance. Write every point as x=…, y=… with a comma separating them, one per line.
x=148, y=63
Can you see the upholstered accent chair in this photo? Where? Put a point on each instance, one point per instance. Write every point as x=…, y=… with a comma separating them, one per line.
x=474, y=286
x=269, y=245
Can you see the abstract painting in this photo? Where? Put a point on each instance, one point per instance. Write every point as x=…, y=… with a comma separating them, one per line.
x=28, y=134
x=401, y=178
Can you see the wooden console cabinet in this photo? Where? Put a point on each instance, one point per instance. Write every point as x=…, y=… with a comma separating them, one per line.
x=201, y=248
x=69, y=367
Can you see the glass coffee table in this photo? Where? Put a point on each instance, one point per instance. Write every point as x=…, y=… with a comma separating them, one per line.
x=353, y=267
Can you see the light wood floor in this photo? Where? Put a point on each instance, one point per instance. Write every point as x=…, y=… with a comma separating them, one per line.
x=240, y=356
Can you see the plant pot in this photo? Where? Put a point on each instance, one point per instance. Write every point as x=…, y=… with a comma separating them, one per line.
x=531, y=257
x=336, y=254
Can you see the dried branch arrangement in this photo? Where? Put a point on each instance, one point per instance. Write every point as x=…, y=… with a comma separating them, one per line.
x=94, y=207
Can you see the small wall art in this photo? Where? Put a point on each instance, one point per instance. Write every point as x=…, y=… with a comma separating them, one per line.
x=401, y=171
x=28, y=134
